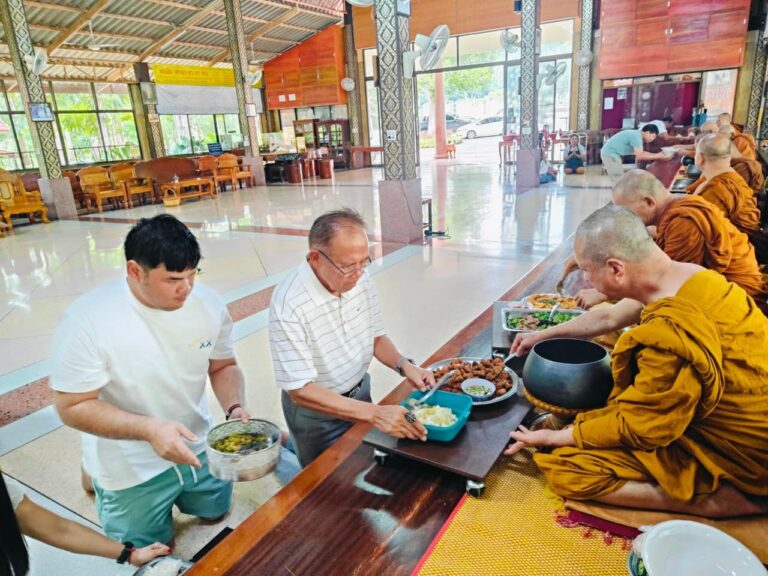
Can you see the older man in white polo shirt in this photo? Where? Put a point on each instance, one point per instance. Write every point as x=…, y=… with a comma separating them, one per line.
x=325, y=327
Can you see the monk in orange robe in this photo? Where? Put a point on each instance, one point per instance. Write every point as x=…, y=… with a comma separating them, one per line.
x=722, y=186
x=690, y=149
x=685, y=428
x=690, y=229
x=744, y=142
x=750, y=170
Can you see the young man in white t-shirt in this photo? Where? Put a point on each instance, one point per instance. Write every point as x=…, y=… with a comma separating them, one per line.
x=130, y=365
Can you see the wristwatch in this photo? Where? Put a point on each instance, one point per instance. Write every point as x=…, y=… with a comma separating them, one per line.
x=399, y=366
x=126, y=553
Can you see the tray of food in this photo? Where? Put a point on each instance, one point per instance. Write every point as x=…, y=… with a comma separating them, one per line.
x=548, y=301
x=516, y=320
x=506, y=381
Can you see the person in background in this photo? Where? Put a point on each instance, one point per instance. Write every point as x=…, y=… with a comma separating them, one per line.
x=574, y=154
x=625, y=143
x=20, y=516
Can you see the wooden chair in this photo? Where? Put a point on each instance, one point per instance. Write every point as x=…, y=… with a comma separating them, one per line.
x=98, y=186
x=228, y=168
x=209, y=166
x=124, y=176
x=15, y=200
x=243, y=172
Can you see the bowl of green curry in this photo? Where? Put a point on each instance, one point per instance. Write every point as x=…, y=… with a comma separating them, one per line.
x=239, y=451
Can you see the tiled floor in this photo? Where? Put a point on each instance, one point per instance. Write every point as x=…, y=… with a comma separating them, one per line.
x=250, y=240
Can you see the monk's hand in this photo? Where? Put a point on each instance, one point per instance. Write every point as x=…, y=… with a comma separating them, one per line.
x=524, y=342
x=396, y=421
x=590, y=297
x=418, y=377
x=524, y=438
x=570, y=266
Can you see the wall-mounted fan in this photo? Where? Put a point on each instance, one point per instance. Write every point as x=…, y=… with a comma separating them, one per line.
x=553, y=72
x=253, y=76
x=510, y=41
x=427, y=49
x=36, y=63
x=583, y=57
x=93, y=44
x=347, y=84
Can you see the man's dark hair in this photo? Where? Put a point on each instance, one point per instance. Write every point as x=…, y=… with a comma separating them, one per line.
x=651, y=128
x=325, y=227
x=668, y=119
x=162, y=240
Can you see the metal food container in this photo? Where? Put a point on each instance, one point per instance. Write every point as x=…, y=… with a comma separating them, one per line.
x=517, y=312
x=247, y=466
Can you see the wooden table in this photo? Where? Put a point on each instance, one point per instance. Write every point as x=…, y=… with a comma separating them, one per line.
x=189, y=188
x=361, y=155
x=665, y=170
x=508, y=151
x=344, y=514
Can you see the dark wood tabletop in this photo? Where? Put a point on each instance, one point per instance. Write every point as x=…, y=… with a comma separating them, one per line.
x=344, y=514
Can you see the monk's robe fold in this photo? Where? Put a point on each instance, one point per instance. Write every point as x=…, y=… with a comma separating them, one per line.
x=689, y=407
x=693, y=230
x=751, y=171
x=746, y=145
x=729, y=192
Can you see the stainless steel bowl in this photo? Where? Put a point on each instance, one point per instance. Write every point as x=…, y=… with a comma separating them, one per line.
x=569, y=373
x=248, y=466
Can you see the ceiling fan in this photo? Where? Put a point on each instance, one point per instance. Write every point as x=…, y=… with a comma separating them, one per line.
x=93, y=44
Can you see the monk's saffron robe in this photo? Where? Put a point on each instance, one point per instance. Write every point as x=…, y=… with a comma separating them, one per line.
x=746, y=145
x=729, y=192
x=689, y=407
x=751, y=171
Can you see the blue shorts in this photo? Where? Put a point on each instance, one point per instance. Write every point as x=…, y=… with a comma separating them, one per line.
x=142, y=514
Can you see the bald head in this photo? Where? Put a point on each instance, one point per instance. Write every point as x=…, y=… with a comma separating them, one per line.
x=613, y=232
x=638, y=184
x=724, y=119
x=715, y=147
x=727, y=130
x=708, y=128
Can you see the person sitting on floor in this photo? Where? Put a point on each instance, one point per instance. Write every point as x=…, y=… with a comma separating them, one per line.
x=20, y=517
x=744, y=142
x=689, y=229
x=575, y=155
x=685, y=428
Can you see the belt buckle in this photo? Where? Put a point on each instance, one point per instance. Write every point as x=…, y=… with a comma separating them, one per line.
x=353, y=392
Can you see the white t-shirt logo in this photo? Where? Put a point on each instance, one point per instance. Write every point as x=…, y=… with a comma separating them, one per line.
x=205, y=344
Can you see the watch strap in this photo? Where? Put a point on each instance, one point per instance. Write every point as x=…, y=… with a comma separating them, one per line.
x=126, y=553
x=399, y=366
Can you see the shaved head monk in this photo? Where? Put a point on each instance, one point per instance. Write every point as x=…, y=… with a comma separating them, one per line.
x=708, y=128
x=722, y=186
x=744, y=142
x=690, y=149
x=691, y=229
x=685, y=428
x=750, y=170
x=724, y=119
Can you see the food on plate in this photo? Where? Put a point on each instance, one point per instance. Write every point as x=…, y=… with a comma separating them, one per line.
x=165, y=567
x=476, y=390
x=488, y=368
x=241, y=441
x=434, y=415
x=537, y=320
x=542, y=301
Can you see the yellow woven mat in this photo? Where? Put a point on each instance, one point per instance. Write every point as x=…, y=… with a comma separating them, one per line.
x=511, y=531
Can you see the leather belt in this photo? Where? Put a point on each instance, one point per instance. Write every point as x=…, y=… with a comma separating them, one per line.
x=354, y=390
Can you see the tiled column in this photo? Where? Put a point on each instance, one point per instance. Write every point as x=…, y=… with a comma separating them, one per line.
x=353, y=97
x=529, y=155
x=585, y=72
x=400, y=191
x=55, y=190
x=245, y=104
x=756, y=91
x=147, y=124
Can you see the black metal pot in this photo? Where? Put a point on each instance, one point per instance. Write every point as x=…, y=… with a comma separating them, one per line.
x=569, y=373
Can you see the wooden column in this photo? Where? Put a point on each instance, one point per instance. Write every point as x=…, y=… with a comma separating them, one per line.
x=529, y=155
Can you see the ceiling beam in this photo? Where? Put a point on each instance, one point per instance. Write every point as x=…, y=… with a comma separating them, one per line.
x=114, y=36
x=45, y=27
x=48, y=6
x=262, y=21
x=66, y=34
x=172, y=4
x=175, y=33
x=303, y=7
x=196, y=45
x=208, y=30
x=136, y=19
x=258, y=33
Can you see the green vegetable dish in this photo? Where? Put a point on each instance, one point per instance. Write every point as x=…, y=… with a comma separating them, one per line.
x=241, y=442
x=537, y=320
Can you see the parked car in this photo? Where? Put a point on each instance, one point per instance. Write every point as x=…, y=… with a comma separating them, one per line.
x=490, y=126
x=452, y=122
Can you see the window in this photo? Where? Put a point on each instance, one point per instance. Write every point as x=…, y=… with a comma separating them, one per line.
x=374, y=123
x=73, y=96
x=82, y=137
x=24, y=138
x=113, y=96
x=556, y=38
x=9, y=152
x=482, y=48
x=176, y=134
x=121, y=141
x=203, y=130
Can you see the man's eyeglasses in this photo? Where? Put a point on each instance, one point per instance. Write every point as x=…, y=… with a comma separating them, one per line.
x=350, y=270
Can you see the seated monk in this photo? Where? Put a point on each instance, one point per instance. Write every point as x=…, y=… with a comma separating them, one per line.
x=744, y=142
x=750, y=170
x=685, y=428
x=723, y=187
x=689, y=229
